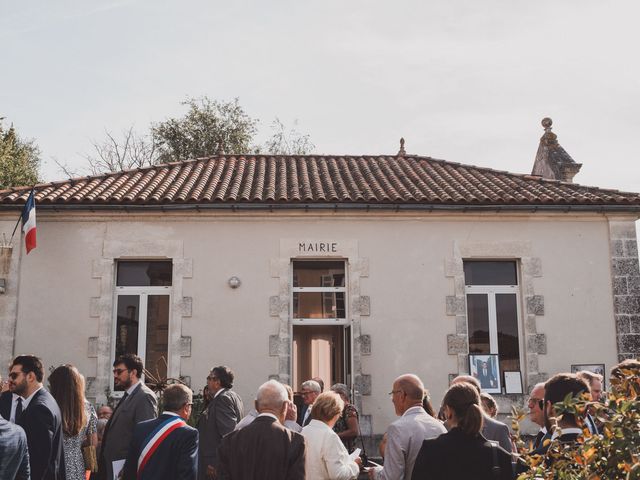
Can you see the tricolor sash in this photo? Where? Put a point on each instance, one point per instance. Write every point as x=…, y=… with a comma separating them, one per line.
x=156, y=437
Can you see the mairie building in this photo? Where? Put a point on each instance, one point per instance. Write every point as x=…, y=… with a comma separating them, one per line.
x=354, y=269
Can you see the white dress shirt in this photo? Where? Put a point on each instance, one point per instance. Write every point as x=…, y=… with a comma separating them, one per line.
x=25, y=404
x=326, y=456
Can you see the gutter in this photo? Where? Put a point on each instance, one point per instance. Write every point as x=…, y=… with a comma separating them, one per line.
x=362, y=207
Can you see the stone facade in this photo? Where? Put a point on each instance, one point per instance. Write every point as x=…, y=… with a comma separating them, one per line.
x=625, y=277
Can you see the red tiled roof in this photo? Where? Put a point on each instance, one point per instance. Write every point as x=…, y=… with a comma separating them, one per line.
x=316, y=180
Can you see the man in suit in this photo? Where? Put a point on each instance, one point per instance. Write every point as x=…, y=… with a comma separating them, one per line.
x=14, y=453
x=221, y=417
x=405, y=435
x=555, y=390
x=536, y=413
x=165, y=448
x=310, y=391
x=38, y=414
x=264, y=449
x=594, y=380
x=138, y=403
x=492, y=429
x=485, y=376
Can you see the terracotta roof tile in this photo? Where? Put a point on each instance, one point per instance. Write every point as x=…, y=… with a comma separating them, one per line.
x=317, y=179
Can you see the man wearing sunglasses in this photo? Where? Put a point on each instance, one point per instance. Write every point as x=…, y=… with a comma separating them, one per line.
x=536, y=413
x=138, y=403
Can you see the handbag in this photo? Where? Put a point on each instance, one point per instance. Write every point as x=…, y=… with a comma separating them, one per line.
x=90, y=458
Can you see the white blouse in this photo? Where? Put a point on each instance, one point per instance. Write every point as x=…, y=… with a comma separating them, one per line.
x=326, y=456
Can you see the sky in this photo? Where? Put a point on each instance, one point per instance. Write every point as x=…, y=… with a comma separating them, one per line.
x=465, y=81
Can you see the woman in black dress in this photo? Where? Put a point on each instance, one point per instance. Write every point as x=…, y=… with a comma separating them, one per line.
x=462, y=453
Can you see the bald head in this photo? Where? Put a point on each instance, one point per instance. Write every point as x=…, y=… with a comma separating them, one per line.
x=271, y=396
x=473, y=381
x=411, y=385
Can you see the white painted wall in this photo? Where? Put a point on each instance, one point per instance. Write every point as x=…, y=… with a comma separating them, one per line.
x=406, y=284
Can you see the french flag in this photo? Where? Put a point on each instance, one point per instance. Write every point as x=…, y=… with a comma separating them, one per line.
x=29, y=223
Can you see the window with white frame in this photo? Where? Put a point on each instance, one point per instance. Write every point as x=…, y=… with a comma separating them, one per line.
x=491, y=289
x=141, y=324
x=319, y=291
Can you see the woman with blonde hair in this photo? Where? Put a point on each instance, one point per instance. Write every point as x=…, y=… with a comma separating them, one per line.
x=440, y=458
x=326, y=456
x=79, y=419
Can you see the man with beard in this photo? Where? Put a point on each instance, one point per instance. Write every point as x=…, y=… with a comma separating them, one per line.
x=38, y=414
x=138, y=403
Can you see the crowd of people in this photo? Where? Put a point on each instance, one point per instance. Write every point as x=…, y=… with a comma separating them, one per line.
x=56, y=434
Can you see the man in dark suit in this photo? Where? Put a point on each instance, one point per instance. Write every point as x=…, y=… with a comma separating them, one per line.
x=310, y=391
x=485, y=376
x=138, y=403
x=38, y=414
x=165, y=448
x=264, y=449
x=14, y=454
x=221, y=417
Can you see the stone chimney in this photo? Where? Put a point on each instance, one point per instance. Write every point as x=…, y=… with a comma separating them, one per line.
x=552, y=161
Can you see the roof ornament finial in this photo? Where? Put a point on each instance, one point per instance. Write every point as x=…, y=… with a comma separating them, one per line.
x=549, y=138
x=401, y=152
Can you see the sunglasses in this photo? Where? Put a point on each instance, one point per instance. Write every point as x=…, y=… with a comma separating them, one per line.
x=118, y=371
x=14, y=375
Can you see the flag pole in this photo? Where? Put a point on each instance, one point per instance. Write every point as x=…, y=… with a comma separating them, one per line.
x=20, y=218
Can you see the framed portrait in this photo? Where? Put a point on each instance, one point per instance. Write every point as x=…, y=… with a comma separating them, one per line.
x=486, y=369
x=590, y=367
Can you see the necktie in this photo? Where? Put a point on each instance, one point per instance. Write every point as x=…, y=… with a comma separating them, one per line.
x=538, y=440
x=18, y=410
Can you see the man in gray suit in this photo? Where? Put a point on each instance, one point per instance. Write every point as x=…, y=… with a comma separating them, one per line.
x=405, y=435
x=221, y=417
x=492, y=429
x=138, y=403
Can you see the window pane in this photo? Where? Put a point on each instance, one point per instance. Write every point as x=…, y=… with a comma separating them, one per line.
x=318, y=305
x=144, y=274
x=127, y=325
x=157, y=335
x=318, y=274
x=478, y=321
x=490, y=273
x=507, y=321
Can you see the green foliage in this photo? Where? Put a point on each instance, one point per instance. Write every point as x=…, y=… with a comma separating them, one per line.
x=614, y=454
x=19, y=160
x=208, y=128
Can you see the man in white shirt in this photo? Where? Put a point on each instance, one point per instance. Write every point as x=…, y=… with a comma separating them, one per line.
x=405, y=435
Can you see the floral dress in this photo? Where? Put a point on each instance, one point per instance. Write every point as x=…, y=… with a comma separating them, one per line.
x=341, y=425
x=74, y=462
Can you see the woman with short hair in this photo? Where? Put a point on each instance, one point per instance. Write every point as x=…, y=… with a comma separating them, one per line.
x=326, y=456
x=462, y=453
x=79, y=419
x=347, y=427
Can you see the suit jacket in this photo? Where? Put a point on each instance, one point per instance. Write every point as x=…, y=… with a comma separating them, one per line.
x=404, y=439
x=42, y=422
x=221, y=417
x=498, y=432
x=5, y=404
x=176, y=458
x=14, y=455
x=301, y=412
x=141, y=405
x=263, y=450
x=458, y=456
x=488, y=380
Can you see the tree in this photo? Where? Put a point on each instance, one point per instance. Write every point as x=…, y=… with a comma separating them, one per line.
x=287, y=143
x=19, y=159
x=209, y=127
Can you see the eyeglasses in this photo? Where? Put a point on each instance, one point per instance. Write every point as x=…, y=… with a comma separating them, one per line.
x=536, y=401
x=118, y=371
x=304, y=394
x=393, y=392
x=14, y=375
x=212, y=378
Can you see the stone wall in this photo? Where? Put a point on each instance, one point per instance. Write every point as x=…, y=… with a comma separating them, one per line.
x=625, y=276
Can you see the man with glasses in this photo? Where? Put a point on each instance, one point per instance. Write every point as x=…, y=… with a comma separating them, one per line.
x=310, y=391
x=38, y=414
x=536, y=413
x=165, y=448
x=405, y=435
x=221, y=417
x=138, y=404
